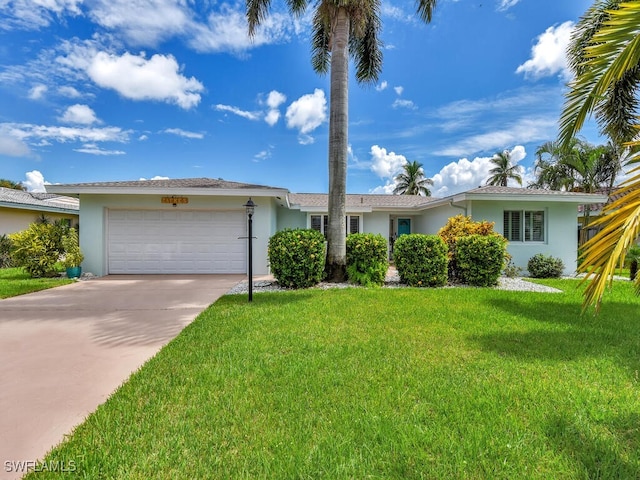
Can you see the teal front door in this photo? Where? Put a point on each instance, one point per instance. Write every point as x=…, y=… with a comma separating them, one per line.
x=404, y=226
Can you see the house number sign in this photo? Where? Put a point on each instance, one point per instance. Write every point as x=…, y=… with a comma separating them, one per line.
x=175, y=200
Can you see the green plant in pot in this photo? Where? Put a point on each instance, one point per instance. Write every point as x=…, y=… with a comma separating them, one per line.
x=73, y=256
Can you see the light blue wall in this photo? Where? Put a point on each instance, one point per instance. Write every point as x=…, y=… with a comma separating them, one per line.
x=561, y=231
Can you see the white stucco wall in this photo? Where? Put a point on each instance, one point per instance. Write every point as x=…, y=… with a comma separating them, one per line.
x=93, y=233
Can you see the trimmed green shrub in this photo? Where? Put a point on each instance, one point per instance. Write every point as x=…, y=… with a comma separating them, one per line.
x=545, y=266
x=458, y=227
x=297, y=257
x=421, y=260
x=481, y=259
x=367, y=262
x=37, y=249
x=5, y=252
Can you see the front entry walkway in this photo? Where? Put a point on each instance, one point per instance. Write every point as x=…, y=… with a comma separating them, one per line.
x=63, y=351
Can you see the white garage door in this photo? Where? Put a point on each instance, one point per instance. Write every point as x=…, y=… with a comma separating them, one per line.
x=176, y=241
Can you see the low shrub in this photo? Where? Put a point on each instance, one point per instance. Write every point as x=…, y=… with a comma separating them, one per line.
x=480, y=259
x=545, y=266
x=421, y=260
x=297, y=257
x=37, y=249
x=367, y=262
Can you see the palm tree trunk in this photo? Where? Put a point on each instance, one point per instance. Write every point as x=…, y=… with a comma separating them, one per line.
x=338, y=143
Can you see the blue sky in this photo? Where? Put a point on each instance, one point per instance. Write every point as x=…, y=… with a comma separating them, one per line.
x=106, y=90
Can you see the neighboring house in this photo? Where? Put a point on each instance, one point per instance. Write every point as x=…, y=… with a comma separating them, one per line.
x=200, y=225
x=19, y=209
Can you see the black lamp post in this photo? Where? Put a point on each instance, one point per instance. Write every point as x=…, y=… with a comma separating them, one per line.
x=250, y=206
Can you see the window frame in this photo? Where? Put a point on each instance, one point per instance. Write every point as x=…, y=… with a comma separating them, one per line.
x=528, y=231
x=324, y=221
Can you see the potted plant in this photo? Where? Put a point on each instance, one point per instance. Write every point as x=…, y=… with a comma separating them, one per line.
x=73, y=256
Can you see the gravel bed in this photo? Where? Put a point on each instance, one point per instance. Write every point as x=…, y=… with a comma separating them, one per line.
x=393, y=281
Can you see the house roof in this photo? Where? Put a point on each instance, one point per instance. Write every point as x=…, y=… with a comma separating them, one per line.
x=525, y=194
x=179, y=186
x=311, y=202
x=38, y=201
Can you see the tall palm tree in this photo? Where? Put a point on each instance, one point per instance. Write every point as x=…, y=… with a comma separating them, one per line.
x=503, y=170
x=11, y=184
x=411, y=181
x=340, y=29
x=607, y=77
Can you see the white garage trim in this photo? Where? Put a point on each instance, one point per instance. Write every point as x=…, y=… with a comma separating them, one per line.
x=176, y=241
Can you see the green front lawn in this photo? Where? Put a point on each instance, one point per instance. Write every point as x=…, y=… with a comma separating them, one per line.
x=380, y=383
x=15, y=281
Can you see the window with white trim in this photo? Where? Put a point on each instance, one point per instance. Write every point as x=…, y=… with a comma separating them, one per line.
x=524, y=225
x=321, y=223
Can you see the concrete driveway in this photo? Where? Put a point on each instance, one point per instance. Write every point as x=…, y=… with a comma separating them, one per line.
x=63, y=351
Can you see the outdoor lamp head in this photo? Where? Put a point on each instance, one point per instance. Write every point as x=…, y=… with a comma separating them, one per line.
x=250, y=206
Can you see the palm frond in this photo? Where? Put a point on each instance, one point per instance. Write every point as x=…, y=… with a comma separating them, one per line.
x=256, y=12
x=607, y=249
x=613, y=51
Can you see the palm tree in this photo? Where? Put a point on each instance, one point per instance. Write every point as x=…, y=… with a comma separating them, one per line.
x=503, y=170
x=340, y=29
x=412, y=181
x=11, y=184
x=605, y=53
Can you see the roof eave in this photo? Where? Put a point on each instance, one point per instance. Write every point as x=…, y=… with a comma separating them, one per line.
x=39, y=208
x=578, y=199
x=188, y=191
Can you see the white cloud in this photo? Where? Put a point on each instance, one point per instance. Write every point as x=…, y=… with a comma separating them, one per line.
x=524, y=130
x=398, y=90
x=35, y=181
x=81, y=114
x=236, y=111
x=37, y=91
x=157, y=177
x=227, y=30
x=382, y=86
x=13, y=147
x=274, y=100
x=69, y=92
x=506, y=4
x=93, y=149
x=386, y=164
x=183, y=133
x=460, y=176
x=42, y=133
x=143, y=137
x=548, y=55
x=35, y=14
x=142, y=23
x=400, y=103
x=135, y=77
x=464, y=175
x=307, y=113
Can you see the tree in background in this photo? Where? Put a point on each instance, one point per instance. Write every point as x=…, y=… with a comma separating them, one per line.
x=503, y=170
x=411, y=181
x=605, y=58
x=11, y=184
x=340, y=29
